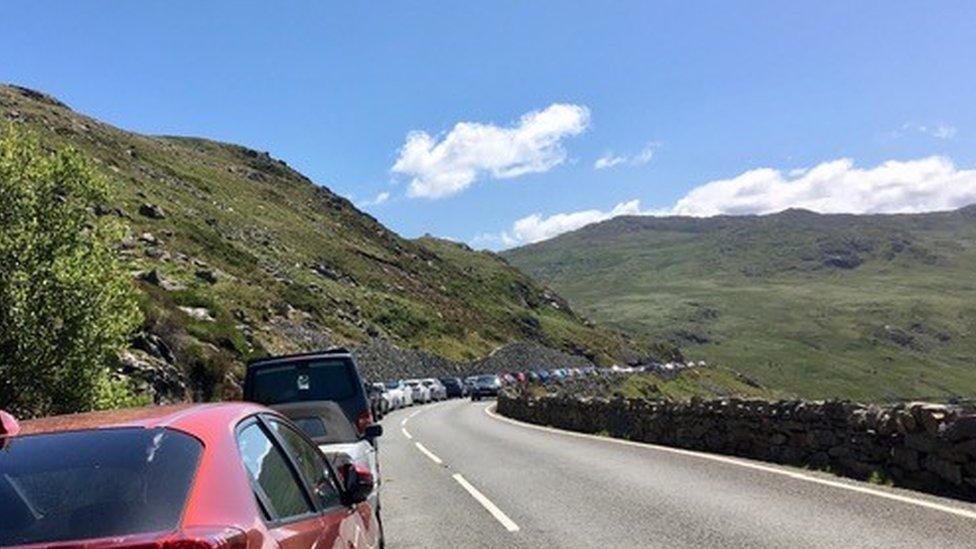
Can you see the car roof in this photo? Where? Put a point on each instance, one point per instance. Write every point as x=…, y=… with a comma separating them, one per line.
x=190, y=418
x=337, y=352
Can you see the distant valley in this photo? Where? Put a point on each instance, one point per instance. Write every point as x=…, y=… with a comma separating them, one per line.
x=879, y=307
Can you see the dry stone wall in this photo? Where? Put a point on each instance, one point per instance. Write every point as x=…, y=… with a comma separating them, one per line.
x=929, y=447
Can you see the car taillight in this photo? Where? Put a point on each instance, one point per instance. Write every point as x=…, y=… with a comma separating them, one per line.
x=364, y=420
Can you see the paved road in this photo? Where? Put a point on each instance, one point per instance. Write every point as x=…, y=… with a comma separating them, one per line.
x=481, y=481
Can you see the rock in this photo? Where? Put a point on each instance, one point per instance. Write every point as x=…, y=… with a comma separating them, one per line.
x=152, y=211
x=945, y=469
x=922, y=442
x=207, y=275
x=156, y=278
x=906, y=458
x=149, y=239
x=930, y=416
x=961, y=429
x=154, y=346
x=163, y=380
x=198, y=313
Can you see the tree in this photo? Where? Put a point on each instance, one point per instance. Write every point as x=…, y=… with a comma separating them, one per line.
x=67, y=304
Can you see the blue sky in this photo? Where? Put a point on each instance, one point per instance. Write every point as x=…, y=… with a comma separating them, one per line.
x=701, y=107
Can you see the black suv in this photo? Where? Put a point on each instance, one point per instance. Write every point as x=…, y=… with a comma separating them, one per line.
x=485, y=386
x=329, y=375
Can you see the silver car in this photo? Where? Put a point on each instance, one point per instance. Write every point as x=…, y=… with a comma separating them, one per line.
x=421, y=393
x=437, y=389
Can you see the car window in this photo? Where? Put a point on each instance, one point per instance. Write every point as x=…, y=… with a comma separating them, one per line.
x=311, y=464
x=97, y=483
x=314, y=427
x=320, y=380
x=270, y=471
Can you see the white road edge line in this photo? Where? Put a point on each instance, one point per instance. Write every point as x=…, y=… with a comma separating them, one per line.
x=406, y=434
x=733, y=461
x=423, y=449
x=499, y=515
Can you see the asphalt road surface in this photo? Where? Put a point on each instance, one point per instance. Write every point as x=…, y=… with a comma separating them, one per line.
x=456, y=476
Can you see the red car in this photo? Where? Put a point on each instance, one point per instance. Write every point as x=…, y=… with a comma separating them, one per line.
x=230, y=475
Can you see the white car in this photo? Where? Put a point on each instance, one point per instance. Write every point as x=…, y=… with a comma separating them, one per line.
x=437, y=389
x=389, y=400
x=327, y=426
x=398, y=394
x=421, y=393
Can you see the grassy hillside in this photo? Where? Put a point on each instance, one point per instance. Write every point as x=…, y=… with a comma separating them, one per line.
x=236, y=254
x=868, y=307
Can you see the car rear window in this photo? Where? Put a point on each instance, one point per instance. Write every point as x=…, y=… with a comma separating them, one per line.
x=93, y=484
x=319, y=380
x=314, y=427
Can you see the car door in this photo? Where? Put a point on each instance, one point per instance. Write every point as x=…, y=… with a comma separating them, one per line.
x=289, y=512
x=354, y=526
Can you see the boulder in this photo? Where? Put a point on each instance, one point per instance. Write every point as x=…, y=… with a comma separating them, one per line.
x=207, y=275
x=156, y=278
x=152, y=211
x=162, y=380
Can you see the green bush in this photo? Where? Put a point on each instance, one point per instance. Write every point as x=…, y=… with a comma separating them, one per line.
x=66, y=302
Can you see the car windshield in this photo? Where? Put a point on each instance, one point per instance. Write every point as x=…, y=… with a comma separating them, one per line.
x=329, y=379
x=93, y=484
x=485, y=380
x=392, y=384
x=427, y=383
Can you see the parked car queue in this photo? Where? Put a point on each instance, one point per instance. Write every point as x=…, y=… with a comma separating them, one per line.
x=296, y=466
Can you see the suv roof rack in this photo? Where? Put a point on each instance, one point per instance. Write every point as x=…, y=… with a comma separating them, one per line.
x=329, y=351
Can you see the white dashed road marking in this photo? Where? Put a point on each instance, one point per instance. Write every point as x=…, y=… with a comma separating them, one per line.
x=500, y=516
x=423, y=449
x=966, y=513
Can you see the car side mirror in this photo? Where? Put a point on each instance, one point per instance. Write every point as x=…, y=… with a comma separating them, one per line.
x=373, y=431
x=357, y=485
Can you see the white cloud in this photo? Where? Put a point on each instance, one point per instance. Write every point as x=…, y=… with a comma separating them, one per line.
x=609, y=160
x=944, y=131
x=926, y=184
x=379, y=199
x=535, y=227
x=646, y=154
x=939, y=130
x=440, y=167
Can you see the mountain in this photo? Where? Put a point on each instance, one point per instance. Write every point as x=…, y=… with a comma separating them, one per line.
x=856, y=306
x=236, y=254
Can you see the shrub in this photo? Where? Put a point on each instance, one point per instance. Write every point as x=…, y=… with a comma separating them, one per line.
x=66, y=302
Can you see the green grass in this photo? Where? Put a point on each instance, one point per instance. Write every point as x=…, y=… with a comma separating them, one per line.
x=756, y=294
x=265, y=228
x=704, y=383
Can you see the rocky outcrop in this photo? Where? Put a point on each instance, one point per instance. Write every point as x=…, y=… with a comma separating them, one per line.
x=929, y=447
x=528, y=356
x=381, y=361
x=154, y=375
